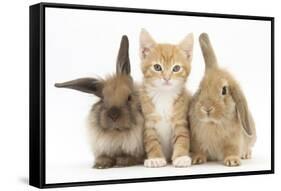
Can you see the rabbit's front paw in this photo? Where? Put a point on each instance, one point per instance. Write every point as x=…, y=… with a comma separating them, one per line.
x=247, y=155
x=104, y=162
x=232, y=161
x=199, y=159
x=126, y=161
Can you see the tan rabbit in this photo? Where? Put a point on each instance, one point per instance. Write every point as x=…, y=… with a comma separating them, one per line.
x=222, y=127
x=116, y=121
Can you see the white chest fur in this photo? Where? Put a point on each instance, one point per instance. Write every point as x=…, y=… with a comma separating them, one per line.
x=163, y=101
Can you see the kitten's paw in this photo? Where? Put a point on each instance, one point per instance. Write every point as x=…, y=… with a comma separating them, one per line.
x=247, y=155
x=183, y=161
x=232, y=161
x=199, y=159
x=155, y=162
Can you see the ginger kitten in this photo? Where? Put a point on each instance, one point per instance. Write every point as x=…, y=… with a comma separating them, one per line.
x=165, y=100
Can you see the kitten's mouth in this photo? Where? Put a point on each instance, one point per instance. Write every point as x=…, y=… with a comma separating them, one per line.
x=166, y=83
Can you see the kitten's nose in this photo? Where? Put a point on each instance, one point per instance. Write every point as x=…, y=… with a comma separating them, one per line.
x=114, y=113
x=166, y=76
x=166, y=79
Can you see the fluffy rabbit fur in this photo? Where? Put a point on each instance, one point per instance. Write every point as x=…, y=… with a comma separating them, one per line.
x=222, y=127
x=115, y=121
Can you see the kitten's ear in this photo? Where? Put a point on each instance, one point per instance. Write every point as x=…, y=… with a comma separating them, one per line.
x=187, y=45
x=146, y=43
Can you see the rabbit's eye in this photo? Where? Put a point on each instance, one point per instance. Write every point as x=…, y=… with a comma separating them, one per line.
x=224, y=90
x=129, y=98
x=176, y=68
x=157, y=67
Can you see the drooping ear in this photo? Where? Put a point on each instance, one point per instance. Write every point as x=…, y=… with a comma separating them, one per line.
x=208, y=52
x=187, y=45
x=123, y=60
x=87, y=85
x=242, y=108
x=146, y=44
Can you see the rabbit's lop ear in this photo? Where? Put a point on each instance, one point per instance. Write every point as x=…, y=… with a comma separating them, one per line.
x=87, y=85
x=242, y=108
x=208, y=52
x=123, y=60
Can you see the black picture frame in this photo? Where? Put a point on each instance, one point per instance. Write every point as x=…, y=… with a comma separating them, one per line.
x=37, y=94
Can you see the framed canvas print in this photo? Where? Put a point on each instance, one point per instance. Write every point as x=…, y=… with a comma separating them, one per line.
x=121, y=95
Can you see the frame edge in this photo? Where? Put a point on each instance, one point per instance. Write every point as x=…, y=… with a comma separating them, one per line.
x=36, y=177
x=155, y=11
x=273, y=95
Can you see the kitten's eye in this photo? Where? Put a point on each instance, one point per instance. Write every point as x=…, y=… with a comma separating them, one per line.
x=157, y=67
x=176, y=68
x=224, y=90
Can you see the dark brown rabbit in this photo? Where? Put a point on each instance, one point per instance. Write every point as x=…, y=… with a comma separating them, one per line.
x=115, y=121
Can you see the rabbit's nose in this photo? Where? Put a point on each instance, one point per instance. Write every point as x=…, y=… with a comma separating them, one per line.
x=114, y=113
x=208, y=110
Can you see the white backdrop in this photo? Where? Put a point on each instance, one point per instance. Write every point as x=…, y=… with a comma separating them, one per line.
x=14, y=75
x=83, y=43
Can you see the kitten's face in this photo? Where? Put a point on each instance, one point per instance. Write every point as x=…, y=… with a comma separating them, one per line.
x=165, y=66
